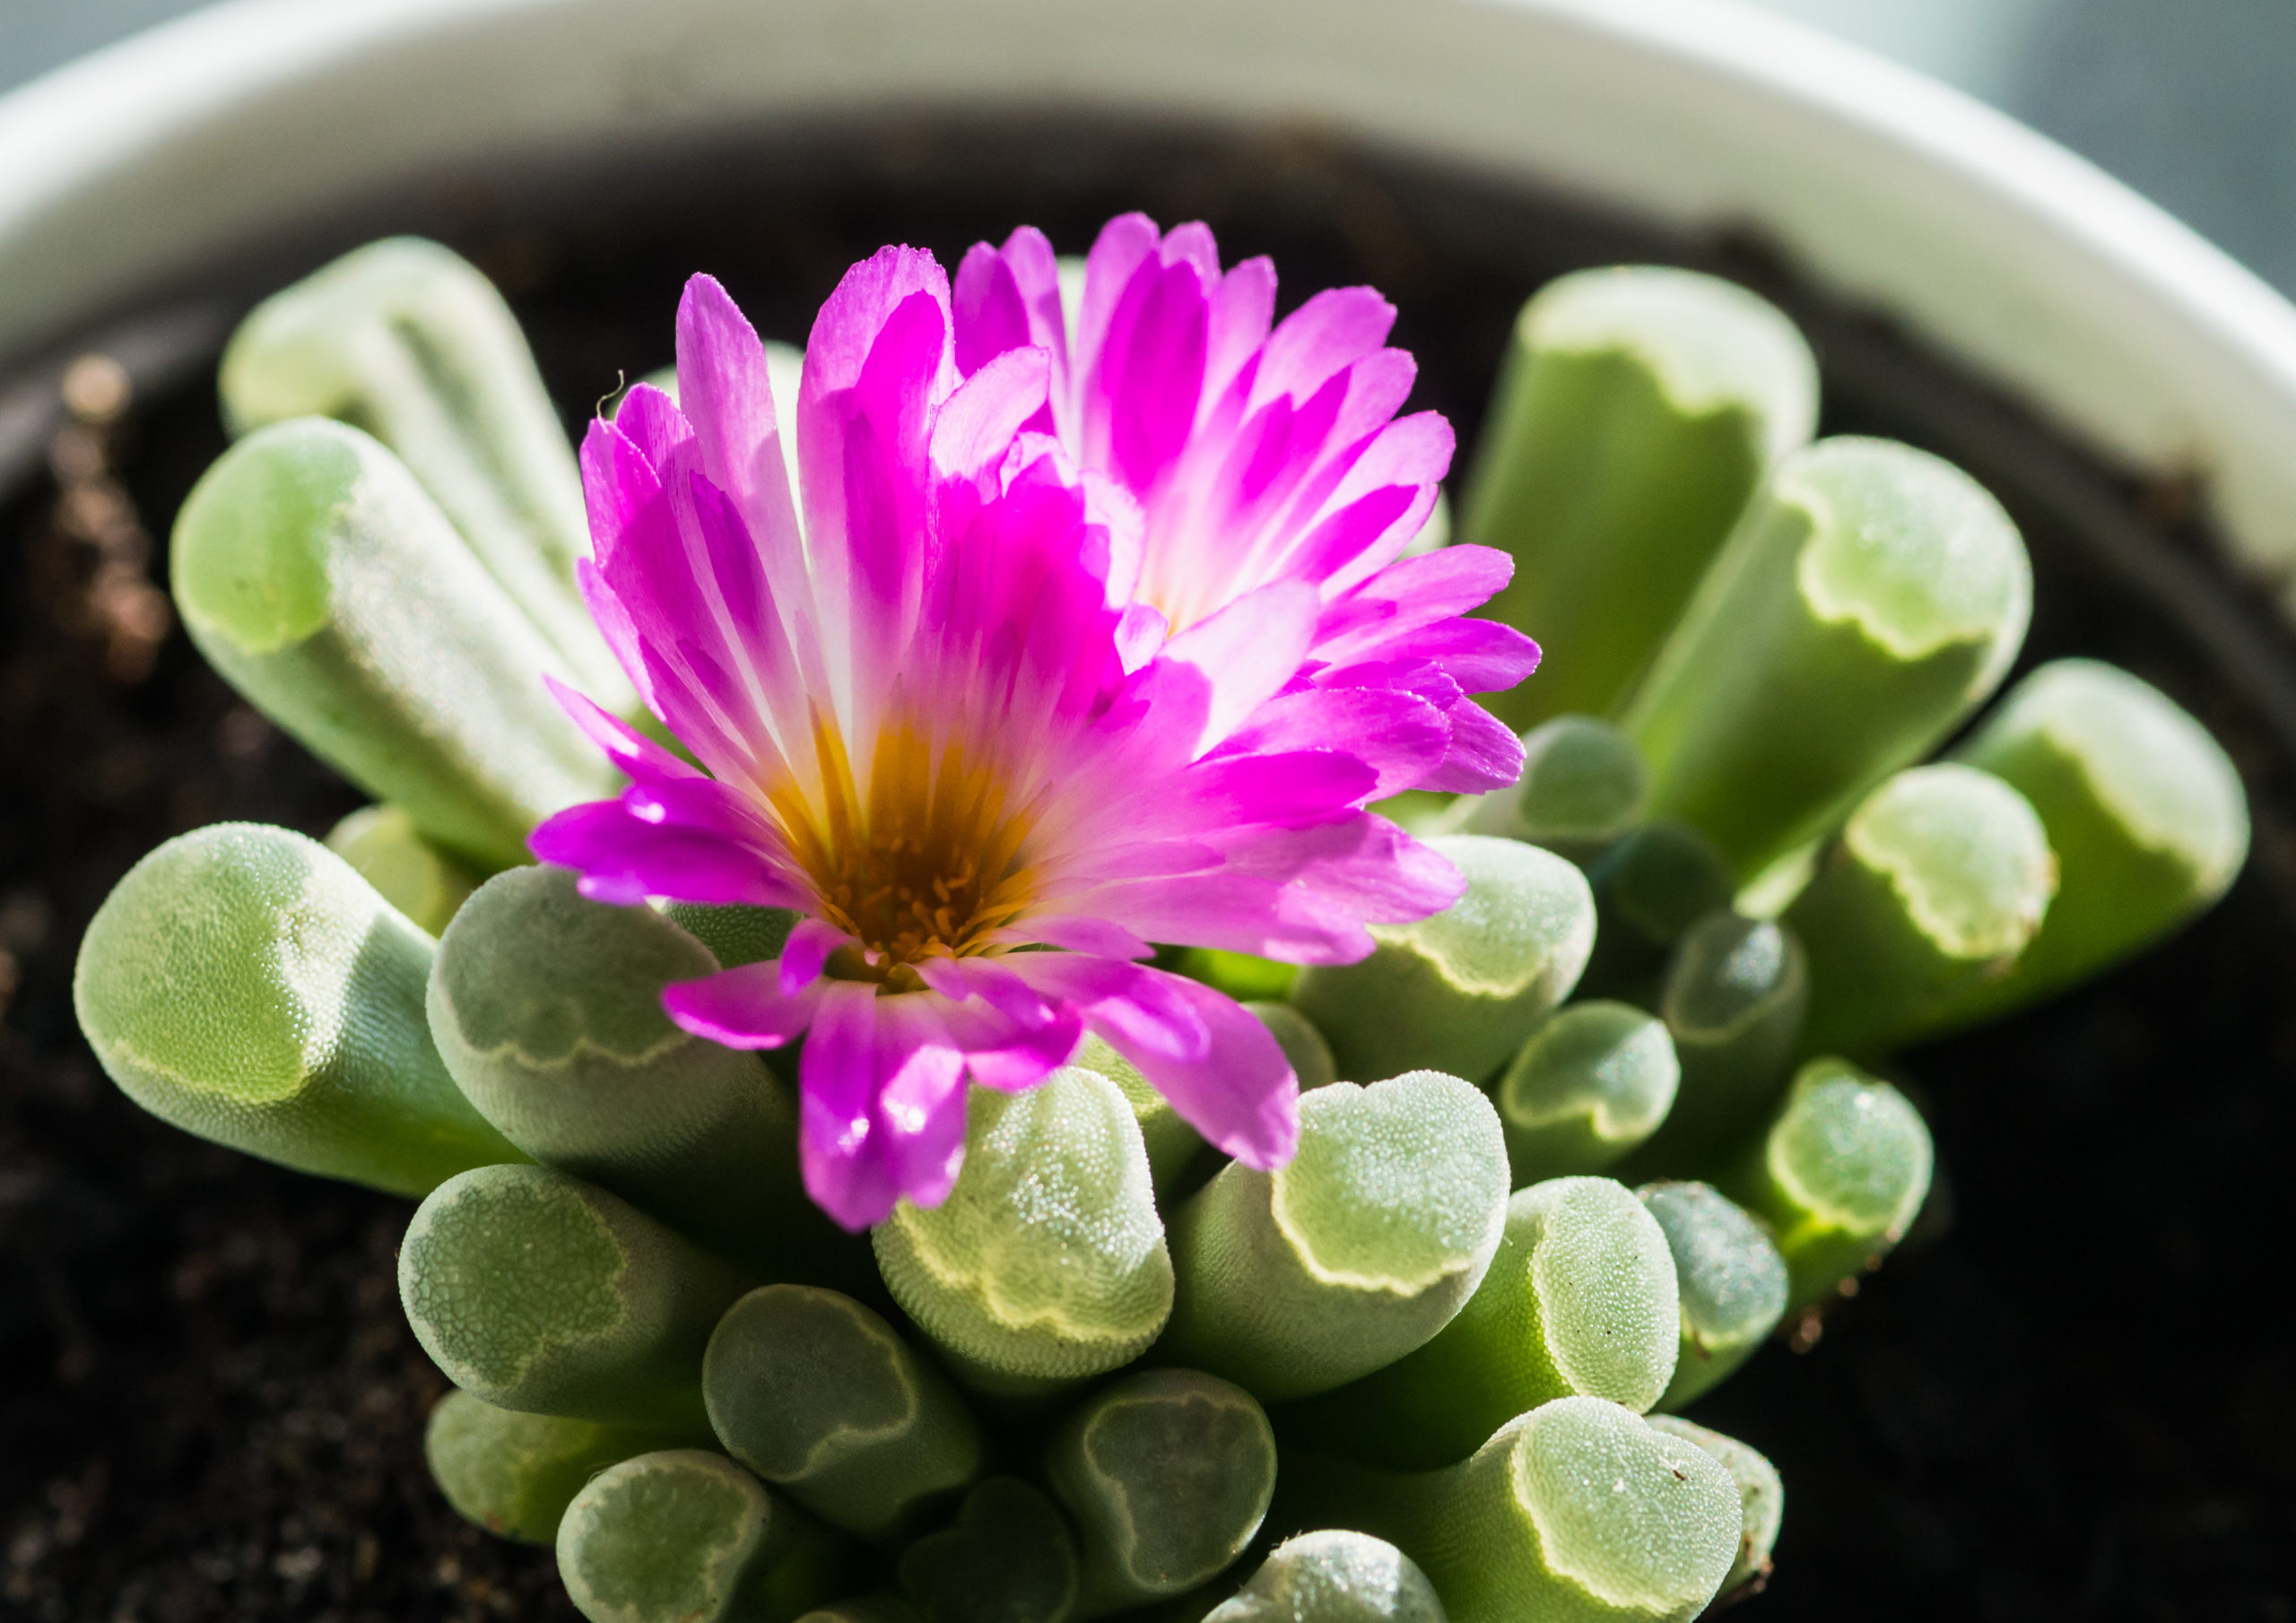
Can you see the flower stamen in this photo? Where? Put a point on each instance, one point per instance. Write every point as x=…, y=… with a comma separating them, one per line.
x=926, y=865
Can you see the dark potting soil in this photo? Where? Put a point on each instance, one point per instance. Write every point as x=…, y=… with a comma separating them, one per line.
x=2069, y=1397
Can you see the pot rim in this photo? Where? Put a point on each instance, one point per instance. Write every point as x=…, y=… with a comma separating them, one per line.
x=139, y=168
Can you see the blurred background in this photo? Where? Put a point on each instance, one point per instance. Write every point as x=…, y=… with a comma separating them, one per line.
x=2187, y=101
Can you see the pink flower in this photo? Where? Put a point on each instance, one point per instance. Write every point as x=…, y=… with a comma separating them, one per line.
x=1257, y=455
x=934, y=721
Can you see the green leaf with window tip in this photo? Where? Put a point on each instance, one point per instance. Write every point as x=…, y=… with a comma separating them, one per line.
x=538, y=1291
x=1872, y=597
x=1839, y=1178
x=1166, y=1475
x=411, y=873
x=737, y=935
x=322, y=581
x=1636, y=411
x=2145, y=812
x=1650, y=886
x=244, y=983
x=1008, y=1557
x=819, y=1396
x=1588, y=1086
x=513, y=1473
x=1334, y=1575
x=1460, y=991
x=1303, y=1046
x=1172, y=1145
x=1354, y=1251
x=1579, y=1511
x=1581, y=1300
x=1583, y=786
x=681, y=1536
x=406, y=340
x=1734, y=1000
x=1940, y=881
x=1240, y=975
x=547, y=1008
x=1762, y=1496
x=1732, y=1281
x=1047, y=1264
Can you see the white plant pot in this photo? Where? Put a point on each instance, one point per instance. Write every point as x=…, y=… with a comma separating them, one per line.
x=133, y=170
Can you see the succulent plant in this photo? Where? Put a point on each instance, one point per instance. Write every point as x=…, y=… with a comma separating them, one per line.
x=1573, y=1142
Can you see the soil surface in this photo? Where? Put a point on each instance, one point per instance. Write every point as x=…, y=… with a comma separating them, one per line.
x=2066, y=1399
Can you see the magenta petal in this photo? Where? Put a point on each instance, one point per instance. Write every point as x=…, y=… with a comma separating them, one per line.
x=637, y=756
x=989, y=980
x=1301, y=895
x=624, y=858
x=807, y=952
x=1000, y=538
x=1013, y=1056
x=1399, y=736
x=1210, y=1056
x=1481, y=656
x=881, y=1104
x=745, y=1008
x=1411, y=592
x=1124, y=243
x=1008, y=299
x=1246, y=654
x=1241, y=309
x=1333, y=329
x=1147, y=379
x=1099, y=936
x=977, y=424
x=724, y=392
x=1483, y=754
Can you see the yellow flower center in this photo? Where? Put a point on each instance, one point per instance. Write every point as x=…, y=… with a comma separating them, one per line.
x=927, y=864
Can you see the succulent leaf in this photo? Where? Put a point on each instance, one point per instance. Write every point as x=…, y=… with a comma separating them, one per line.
x=1637, y=410
x=243, y=982
x=1297, y=1280
x=1872, y=597
x=819, y=1396
x=1460, y=991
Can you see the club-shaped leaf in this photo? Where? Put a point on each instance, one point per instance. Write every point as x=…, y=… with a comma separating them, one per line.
x=547, y=1008
x=1734, y=1000
x=515, y=1473
x=408, y=871
x=408, y=340
x=1008, y=1557
x=1872, y=597
x=1459, y=991
x=325, y=584
x=1047, y=1264
x=1636, y=411
x=1591, y=1083
x=1578, y=1512
x=1166, y=1476
x=1334, y=1575
x=1360, y=1248
x=1762, y=1494
x=538, y=1291
x=1732, y=1281
x=1939, y=881
x=681, y=1536
x=1583, y=786
x=2145, y=812
x=1839, y=1178
x=242, y=983
x=820, y=1397
x=1580, y=1301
